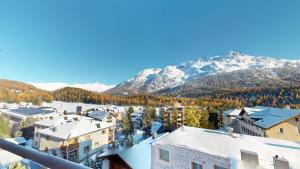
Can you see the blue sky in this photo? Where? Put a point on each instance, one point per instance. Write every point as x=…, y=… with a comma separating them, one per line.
x=110, y=41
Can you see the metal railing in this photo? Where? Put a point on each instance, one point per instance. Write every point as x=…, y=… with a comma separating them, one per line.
x=39, y=157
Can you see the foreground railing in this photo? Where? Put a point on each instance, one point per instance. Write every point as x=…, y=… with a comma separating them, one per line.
x=38, y=157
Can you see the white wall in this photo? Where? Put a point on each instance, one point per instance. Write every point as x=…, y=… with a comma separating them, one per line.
x=181, y=158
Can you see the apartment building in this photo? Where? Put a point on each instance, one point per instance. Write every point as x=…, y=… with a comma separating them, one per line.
x=73, y=137
x=269, y=122
x=173, y=117
x=197, y=148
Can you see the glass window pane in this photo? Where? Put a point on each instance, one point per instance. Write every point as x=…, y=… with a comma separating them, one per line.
x=164, y=155
x=219, y=167
x=196, y=166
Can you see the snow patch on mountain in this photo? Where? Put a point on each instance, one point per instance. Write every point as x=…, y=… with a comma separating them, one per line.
x=95, y=87
x=156, y=79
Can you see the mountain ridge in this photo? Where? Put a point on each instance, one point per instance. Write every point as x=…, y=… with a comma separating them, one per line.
x=154, y=80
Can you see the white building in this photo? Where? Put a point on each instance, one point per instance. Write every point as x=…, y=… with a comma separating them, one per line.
x=198, y=148
x=20, y=113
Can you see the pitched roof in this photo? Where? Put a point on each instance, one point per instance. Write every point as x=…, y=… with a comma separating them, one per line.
x=270, y=116
x=60, y=120
x=75, y=128
x=232, y=112
x=221, y=144
x=139, y=155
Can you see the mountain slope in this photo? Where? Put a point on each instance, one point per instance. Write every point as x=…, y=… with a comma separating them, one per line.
x=234, y=68
x=94, y=87
x=13, y=91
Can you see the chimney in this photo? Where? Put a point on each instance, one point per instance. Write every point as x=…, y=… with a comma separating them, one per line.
x=230, y=131
x=280, y=163
x=249, y=158
x=182, y=127
x=98, y=125
x=154, y=135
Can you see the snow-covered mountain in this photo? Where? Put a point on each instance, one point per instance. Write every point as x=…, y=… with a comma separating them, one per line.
x=95, y=87
x=230, y=64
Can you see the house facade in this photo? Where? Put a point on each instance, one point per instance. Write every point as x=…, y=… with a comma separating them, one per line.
x=73, y=139
x=261, y=121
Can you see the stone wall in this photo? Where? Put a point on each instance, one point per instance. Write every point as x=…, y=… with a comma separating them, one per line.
x=182, y=158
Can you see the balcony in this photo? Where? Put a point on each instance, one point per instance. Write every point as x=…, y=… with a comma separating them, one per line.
x=40, y=158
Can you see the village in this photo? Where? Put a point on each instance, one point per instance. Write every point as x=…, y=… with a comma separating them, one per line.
x=139, y=137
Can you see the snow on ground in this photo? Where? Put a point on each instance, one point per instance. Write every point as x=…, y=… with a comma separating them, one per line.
x=71, y=107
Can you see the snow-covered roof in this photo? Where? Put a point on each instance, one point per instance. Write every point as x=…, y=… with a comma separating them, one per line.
x=139, y=155
x=24, y=112
x=75, y=128
x=155, y=126
x=270, y=116
x=100, y=115
x=8, y=157
x=221, y=144
x=232, y=112
x=71, y=106
x=60, y=120
x=17, y=140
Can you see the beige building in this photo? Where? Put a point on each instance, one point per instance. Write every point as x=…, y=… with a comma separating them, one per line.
x=266, y=122
x=73, y=137
x=173, y=117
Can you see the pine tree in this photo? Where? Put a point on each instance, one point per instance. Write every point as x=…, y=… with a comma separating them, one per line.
x=127, y=125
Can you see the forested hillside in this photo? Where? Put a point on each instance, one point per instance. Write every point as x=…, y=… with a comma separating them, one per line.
x=275, y=97
x=69, y=94
x=14, y=92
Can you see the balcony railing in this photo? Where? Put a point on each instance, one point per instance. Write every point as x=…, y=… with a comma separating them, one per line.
x=39, y=157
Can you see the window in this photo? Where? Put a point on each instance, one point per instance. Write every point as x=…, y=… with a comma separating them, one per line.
x=86, y=149
x=103, y=131
x=296, y=119
x=54, y=153
x=281, y=130
x=47, y=138
x=196, y=166
x=219, y=167
x=164, y=155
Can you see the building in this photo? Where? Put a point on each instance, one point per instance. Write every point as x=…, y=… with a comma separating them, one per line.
x=137, y=119
x=198, y=148
x=20, y=113
x=229, y=117
x=269, y=122
x=102, y=116
x=173, y=117
x=73, y=137
x=136, y=157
